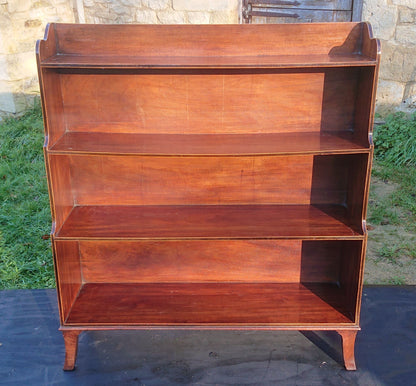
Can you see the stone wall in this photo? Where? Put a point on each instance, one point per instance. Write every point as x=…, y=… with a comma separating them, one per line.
x=394, y=23
x=159, y=11
x=22, y=22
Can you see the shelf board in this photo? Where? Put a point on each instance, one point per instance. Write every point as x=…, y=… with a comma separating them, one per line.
x=208, y=144
x=207, y=222
x=70, y=61
x=216, y=304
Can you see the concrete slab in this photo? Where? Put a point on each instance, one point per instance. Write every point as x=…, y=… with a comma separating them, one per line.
x=32, y=349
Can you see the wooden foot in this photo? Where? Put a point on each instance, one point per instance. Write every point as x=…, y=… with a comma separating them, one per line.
x=348, y=344
x=71, y=346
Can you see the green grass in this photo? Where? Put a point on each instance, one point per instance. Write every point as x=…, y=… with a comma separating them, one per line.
x=25, y=257
x=396, y=280
x=395, y=141
x=395, y=164
x=402, y=199
x=395, y=161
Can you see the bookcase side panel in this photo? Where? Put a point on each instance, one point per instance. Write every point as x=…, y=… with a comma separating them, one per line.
x=357, y=195
x=69, y=278
x=363, y=118
x=52, y=104
x=339, y=95
x=60, y=188
x=351, y=276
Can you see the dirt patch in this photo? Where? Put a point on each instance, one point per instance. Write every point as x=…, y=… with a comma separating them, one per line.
x=391, y=246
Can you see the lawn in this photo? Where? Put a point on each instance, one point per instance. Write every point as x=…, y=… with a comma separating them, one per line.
x=25, y=253
x=391, y=254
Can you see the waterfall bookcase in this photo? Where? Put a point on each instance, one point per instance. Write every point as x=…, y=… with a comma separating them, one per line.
x=208, y=176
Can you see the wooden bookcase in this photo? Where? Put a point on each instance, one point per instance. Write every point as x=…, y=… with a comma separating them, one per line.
x=208, y=177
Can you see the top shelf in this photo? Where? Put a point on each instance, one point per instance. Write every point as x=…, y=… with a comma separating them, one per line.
x=67, y=61
x=304, y=45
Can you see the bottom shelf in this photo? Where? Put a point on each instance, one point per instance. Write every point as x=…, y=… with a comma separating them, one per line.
x=209, y=304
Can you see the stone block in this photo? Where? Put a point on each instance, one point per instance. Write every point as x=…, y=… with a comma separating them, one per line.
x=120, y=9
x=129, y=3
x=30, y=85
x=203, y=5
x=6, y=98
x=157, y=5
x=407, y=15
x=406, y=3
x=392, y=60
x=409, y=99
x=41, y=4
x=229, y=17
x=409, y=65
x=382, y=16
x=33, y=23
x=19, y=5
x=406, y=34
x=198, y=17
x=21, y=65
x=22, y=102
x=145, y=16
x=389, y=93
x=171, y=17
x=398, y=62
x=4, y=74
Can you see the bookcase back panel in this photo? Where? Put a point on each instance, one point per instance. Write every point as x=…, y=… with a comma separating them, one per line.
x=210, y=101
x=286, y=261
x=123, y=180
x=208, y=40
x=194, y=261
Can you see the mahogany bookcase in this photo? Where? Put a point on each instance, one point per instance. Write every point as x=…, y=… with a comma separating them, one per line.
x=208, y=177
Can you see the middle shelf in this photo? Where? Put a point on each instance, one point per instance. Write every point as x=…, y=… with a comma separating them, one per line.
x=79, y=142
x=208, y=222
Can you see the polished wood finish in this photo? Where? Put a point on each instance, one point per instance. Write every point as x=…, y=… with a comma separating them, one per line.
x=282, y=261
x=71, y=347
x=207, y=222
x=92, y=142
x=195, y=261
x=68, y=272
x=209, y=304
x=232, y=101
x=348, y=346
x=164, y=62
x=208, y=176
x=115, y=180
x=205, y=40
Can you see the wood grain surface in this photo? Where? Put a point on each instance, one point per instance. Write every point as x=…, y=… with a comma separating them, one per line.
x=223, y=102
x=210, y=40
x=209, y=175
x=208, y=222
x=115, y=180
x=91, y=141
x=216, y=304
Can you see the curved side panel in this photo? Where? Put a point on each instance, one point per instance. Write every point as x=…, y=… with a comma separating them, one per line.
x=370, y=46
